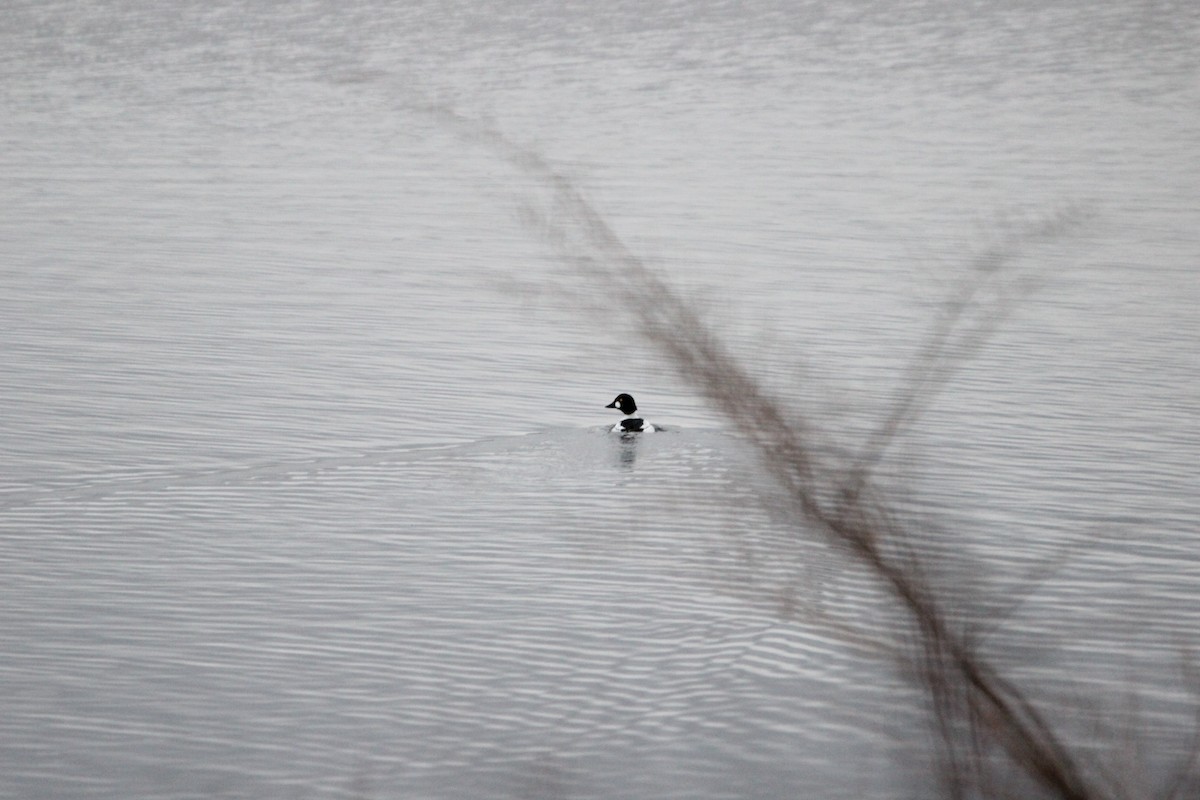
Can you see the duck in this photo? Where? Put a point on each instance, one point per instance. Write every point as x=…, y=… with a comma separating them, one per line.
x=631, y=424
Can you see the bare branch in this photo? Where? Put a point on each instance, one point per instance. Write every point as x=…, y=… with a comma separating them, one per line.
x=978, y=713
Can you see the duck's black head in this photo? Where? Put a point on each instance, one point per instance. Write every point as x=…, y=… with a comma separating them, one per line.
x=625, y=403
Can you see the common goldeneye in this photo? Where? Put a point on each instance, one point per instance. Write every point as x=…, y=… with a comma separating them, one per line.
x=631, y=424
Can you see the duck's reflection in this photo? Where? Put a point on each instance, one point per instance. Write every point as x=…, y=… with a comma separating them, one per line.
x=626, y=449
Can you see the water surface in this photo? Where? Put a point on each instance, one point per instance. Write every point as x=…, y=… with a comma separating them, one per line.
x=304, y=487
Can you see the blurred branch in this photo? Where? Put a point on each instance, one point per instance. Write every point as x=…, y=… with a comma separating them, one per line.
x=966, y=323
x=978, y=713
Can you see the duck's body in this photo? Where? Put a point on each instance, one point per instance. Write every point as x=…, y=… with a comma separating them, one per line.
x=632, y=423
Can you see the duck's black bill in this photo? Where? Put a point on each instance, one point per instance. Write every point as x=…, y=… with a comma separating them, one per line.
x=613, y=404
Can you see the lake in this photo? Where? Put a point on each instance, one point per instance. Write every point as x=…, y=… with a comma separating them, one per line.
x=306, y=489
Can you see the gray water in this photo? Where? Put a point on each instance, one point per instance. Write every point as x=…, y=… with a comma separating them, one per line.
x=304, y=487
